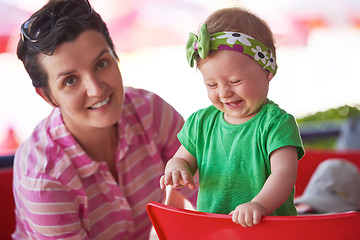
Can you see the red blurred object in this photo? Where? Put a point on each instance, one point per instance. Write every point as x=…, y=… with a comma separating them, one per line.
x=312, y=158
x=355, y=19
x=7, y=205
x=173, y=223
x=9, y=145
x=11, y=18
x=177, y=224
x=301, y=27
x=4, y=43
x=153, y=23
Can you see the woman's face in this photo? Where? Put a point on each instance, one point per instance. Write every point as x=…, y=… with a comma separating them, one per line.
x=85, y=82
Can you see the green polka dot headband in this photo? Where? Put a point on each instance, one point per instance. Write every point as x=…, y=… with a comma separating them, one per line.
x=235, y=41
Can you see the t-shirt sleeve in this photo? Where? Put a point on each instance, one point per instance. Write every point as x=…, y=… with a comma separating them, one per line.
x=284, y=131
x=187, y=137
x=188, y=134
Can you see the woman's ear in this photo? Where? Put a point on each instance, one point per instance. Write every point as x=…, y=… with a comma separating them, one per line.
x=41, y=92
x=270, y=75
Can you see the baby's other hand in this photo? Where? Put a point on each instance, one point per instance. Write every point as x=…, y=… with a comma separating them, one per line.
x=177, y=179
x=248, y=214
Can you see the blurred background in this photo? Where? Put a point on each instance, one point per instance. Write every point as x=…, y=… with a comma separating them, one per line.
x=317, y=49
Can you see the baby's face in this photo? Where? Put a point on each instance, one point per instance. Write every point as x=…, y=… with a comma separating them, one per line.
x=236, y=84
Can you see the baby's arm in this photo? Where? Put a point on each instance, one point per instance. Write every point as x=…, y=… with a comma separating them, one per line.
x=179, y=170
x=275, y=191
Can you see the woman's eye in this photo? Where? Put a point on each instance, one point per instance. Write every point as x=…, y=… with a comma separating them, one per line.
x=101, y=64
x=70, y=81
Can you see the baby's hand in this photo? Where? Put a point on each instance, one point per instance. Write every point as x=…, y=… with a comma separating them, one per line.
x=248, y=214
x=177, y=178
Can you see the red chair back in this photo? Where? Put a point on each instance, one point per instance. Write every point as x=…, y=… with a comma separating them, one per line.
x=178, y=224
x=312, y=158
x=7, y=205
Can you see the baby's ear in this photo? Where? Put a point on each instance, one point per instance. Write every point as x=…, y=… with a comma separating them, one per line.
x=42, y=94
x=270, y=75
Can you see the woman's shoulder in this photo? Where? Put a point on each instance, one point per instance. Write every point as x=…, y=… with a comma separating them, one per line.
x=139, y=100
x=135, y=94
x=40, y=149
x=41, y=135
x=146, y=104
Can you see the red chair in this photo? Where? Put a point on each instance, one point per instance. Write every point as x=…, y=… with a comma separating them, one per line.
x=312, y=158
x=7, y=205
x=178, y=224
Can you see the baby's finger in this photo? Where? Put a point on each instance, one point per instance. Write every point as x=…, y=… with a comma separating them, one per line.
x=162, y=182
x=176, y=178
x=187, y=179
x=240, y=218
x=257, y=217
x=168, y=179
x=248, y=219
x=234, y=216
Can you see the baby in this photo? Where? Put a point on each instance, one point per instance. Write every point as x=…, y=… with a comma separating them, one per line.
x=244, y=146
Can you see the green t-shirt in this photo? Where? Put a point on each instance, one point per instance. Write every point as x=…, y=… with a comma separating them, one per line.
x=234, y=160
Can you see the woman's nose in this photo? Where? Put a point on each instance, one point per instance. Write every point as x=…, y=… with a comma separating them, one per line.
x=94, y=86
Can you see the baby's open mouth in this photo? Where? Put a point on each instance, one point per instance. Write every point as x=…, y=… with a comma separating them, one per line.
x=233, y=104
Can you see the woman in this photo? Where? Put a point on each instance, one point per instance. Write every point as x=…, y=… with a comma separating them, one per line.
x=89, y=169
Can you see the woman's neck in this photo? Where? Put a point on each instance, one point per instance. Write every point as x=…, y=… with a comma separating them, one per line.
x=99, y=143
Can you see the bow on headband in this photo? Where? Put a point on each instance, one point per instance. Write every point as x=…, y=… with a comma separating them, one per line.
x=235, y=41
x=198, y=45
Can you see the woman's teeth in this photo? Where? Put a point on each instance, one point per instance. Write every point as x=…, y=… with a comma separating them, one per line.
x=100, y=104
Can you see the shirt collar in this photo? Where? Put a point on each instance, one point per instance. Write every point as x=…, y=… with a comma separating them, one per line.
x=83, y=164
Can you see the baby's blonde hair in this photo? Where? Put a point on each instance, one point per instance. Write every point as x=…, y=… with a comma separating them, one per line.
x=240, y=20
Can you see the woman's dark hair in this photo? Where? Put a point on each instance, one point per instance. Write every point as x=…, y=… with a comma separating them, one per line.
x=65, y=29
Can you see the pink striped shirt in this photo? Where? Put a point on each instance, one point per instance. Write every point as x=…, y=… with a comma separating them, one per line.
x=60, y=193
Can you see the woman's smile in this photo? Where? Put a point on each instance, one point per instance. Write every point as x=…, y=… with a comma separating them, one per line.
x=100, y=104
